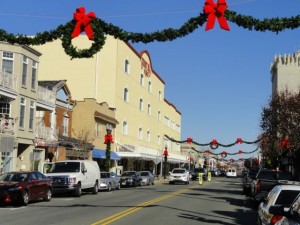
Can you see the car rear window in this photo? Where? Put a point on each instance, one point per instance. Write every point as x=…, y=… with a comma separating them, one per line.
x=144, y=174
x=286, y=197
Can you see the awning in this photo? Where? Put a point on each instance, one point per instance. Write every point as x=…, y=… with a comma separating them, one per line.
x=100, y=154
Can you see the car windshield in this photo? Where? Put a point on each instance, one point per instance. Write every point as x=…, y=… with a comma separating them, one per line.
x=17, y=177
x=178, y=171
x=63, y=167
x=199, y=170
x=144, y=174
x=104, y=175
x=128, y=174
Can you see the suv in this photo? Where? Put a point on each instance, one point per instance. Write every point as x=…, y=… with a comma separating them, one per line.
x=75, y=176
x=179, y=175
x=264, y=181
x=195, y=173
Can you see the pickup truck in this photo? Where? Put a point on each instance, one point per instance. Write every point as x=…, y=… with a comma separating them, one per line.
x=264, y=181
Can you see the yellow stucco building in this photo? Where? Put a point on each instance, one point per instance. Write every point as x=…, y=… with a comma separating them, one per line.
x=124, y=79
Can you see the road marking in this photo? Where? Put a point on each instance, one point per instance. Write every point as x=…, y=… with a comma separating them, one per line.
x=126, y=212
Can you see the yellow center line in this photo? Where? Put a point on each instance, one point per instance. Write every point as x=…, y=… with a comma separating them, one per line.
x=126, y=212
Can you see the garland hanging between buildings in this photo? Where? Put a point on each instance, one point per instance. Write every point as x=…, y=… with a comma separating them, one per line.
x=224, y=154
x=214, y=144
x=100, y=28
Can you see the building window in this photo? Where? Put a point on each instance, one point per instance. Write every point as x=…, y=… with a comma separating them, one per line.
x=126, y=95
x=7, y=62
x=22, y=112
x=158, y=115
x=4, y=108
x=31, y=115
x=148, y=136
x=142, y=80
x=33, y=75
x=149, y=86
x=158, y=139
x=24, y=72
x=65, y=127
x=98, y=130
x=149, y=109
x=141, y=106
x=124, y=128
x=166, y=121
x=127, y=67
x=140, y=134
x=159, y=95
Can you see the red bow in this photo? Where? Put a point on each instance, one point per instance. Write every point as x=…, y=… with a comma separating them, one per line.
x=284, y=143
x=166, y=153
x=240, y=152
x=214, y=142
x=109, y=138
x=83, y=23
x=207, y=152
x=189, y=140
x=215, y=10
x=239, y=141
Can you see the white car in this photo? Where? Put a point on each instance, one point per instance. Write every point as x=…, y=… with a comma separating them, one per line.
x=280, y=195
x=231, y=172
x=179, y=175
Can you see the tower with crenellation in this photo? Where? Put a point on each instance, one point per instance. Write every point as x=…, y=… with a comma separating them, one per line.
x=285, y=73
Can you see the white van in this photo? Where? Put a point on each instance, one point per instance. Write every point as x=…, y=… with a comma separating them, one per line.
x=231, y=172
x=75, y=176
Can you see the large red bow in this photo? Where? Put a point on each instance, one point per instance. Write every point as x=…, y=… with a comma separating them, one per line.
x=189, y=140
x=215, y=10
x=239, y=141
x=83, y=23
x=165, y=153
x=214, y=142
x=109, y=138
x=240, y=152
x=284, y=143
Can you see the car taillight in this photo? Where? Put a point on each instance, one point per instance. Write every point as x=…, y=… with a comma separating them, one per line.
x=275, y=218
x=258, y=186
x=7, y=199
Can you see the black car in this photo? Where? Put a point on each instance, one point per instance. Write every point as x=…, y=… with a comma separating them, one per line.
x=249, y=176
x=196, y=171
x=222, y=173
x=131, y=179
x=22, y=187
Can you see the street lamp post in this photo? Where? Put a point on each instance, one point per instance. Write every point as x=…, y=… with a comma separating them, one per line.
x=165, y=154
x=108, y=140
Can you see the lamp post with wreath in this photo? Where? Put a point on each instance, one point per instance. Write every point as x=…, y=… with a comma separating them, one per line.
x=108, y=140
x=165, y=154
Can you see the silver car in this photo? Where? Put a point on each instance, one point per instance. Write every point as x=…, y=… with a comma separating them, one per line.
x=147, y=178
x=109, y=181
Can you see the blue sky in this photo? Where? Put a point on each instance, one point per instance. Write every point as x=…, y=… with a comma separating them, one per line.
x=218, y=80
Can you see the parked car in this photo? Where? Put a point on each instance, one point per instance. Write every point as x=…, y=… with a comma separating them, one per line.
x=280, y=195
x=292, y=217
x=75, y=176
x=222, y=173
x=147, y=178
x=179, y=175
x=249, y=176
x=264, y=181
x=231, y=172
x=109, y=181
x=195, y=173
x=23, y=187
x=131, y=179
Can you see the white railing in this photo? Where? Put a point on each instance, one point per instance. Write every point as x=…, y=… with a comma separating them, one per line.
x=8, y=80
x=45, y=95
x=46, y=133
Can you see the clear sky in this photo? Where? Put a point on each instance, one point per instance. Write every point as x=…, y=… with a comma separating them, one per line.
x=218, y=80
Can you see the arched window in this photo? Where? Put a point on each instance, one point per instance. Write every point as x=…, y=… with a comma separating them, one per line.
x=126, y=95
x=159, y=95
x=158, y=115
x=124, y=128
x=141, y=106
x=149, y=109
x=158, y=139
x=149, y=86
x=148, y=136
x=142, y=80
x=127, y=67
x=140, y=133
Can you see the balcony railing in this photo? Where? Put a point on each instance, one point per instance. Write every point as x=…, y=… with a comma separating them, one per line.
x=46, y=96
x=46, y=133
x=7, y=125
x=8, y=81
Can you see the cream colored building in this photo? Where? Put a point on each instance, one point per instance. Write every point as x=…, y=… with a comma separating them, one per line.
x=127, y=82
x=285, y=73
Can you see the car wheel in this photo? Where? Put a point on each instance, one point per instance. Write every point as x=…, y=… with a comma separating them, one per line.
x=78, y=191
x=25, y=198
x=170, y=182
x=109, y=187
x=95, y=188
x=48, y=195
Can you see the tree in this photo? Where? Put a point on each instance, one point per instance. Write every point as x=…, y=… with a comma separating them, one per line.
x=84, y=140
x=280, y=125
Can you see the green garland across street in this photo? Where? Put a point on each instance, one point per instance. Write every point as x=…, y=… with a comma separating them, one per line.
x=101, y=28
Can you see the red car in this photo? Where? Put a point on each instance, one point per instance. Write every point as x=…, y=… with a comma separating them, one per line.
x=22, y=187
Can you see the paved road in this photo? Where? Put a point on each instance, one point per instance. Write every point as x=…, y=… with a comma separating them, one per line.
x=217, y=202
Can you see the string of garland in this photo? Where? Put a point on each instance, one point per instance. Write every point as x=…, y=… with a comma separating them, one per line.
x=214, y=144
x=101, y=28
x=222, y=153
